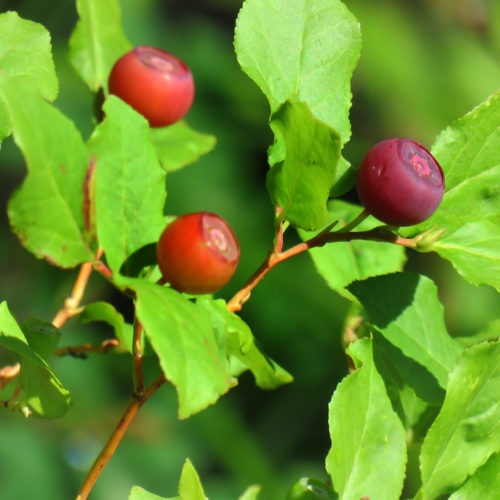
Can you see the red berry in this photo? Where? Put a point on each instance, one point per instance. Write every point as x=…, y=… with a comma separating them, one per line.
x=400, y=182
x=155, y=83
x=198, y=253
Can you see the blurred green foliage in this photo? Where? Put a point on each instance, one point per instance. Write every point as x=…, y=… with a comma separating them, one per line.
x=424, y=63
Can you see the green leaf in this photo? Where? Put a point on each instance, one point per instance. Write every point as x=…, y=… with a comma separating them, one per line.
x=466, y=432
x=303, y=158
x=181, y=334
x=41, y=392
x=341, y=263
x=129, y=183
x=307, y=488
x=26, y=54
x=345, y=178
x=138, y=493
x=104, y=311
x=42, y=337
x=235, y=337
x=179, y=145
x=303, y=51
x=469, y=153
x=491, y=331
x=97, y=41
x=251, y=493
x=368, y=455
x=484, y=484
x=46, y=212
x=405, y=309
x=402, y=376
x=190, y=487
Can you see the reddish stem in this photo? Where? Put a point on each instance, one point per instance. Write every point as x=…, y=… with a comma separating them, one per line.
x=71, y=304
x=274, y=258
x=81, y=350
x=114, y=440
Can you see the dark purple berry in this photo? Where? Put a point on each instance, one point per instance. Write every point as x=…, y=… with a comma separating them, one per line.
x=399, y=182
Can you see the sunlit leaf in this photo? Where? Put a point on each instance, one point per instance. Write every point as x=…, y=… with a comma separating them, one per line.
x=235, y=337
x=46, y=212
x=469, y=153
x=129, y=183
x=181, y=334
x=466, y=432
x=368, y=454
x=484, y=484
x=97, y=41
x=303, y=51
x=179, y=145
x=26, y=53
x=304, y=159
x=190, y=487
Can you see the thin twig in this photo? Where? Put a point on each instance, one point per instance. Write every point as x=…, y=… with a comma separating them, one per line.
x=274, y=258
x=82, y=350
x=71, y=305
x=114, y=440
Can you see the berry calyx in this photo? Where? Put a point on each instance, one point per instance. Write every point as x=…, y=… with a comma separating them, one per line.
x=399, y=182
x=198, y=253
x=156, y=84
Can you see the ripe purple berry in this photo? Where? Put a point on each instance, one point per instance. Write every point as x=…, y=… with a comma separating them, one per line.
x=399, y=182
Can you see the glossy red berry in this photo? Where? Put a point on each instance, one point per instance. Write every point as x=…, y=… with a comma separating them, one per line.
x=400, y=182
x=155, y=83
x=198, y=253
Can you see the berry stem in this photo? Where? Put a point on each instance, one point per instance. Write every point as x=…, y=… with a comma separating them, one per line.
x=82, y=350
x=355, y=222
x=274, y=258
x=114, y=440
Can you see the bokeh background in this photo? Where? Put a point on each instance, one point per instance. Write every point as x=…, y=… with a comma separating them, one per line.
x=424, y=63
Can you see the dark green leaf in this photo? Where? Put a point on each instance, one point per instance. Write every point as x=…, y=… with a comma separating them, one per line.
x=405, y=309
x=341, y=263
x=104, y=311
x=403, y=375
x=42, y=337
x=41, y=392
